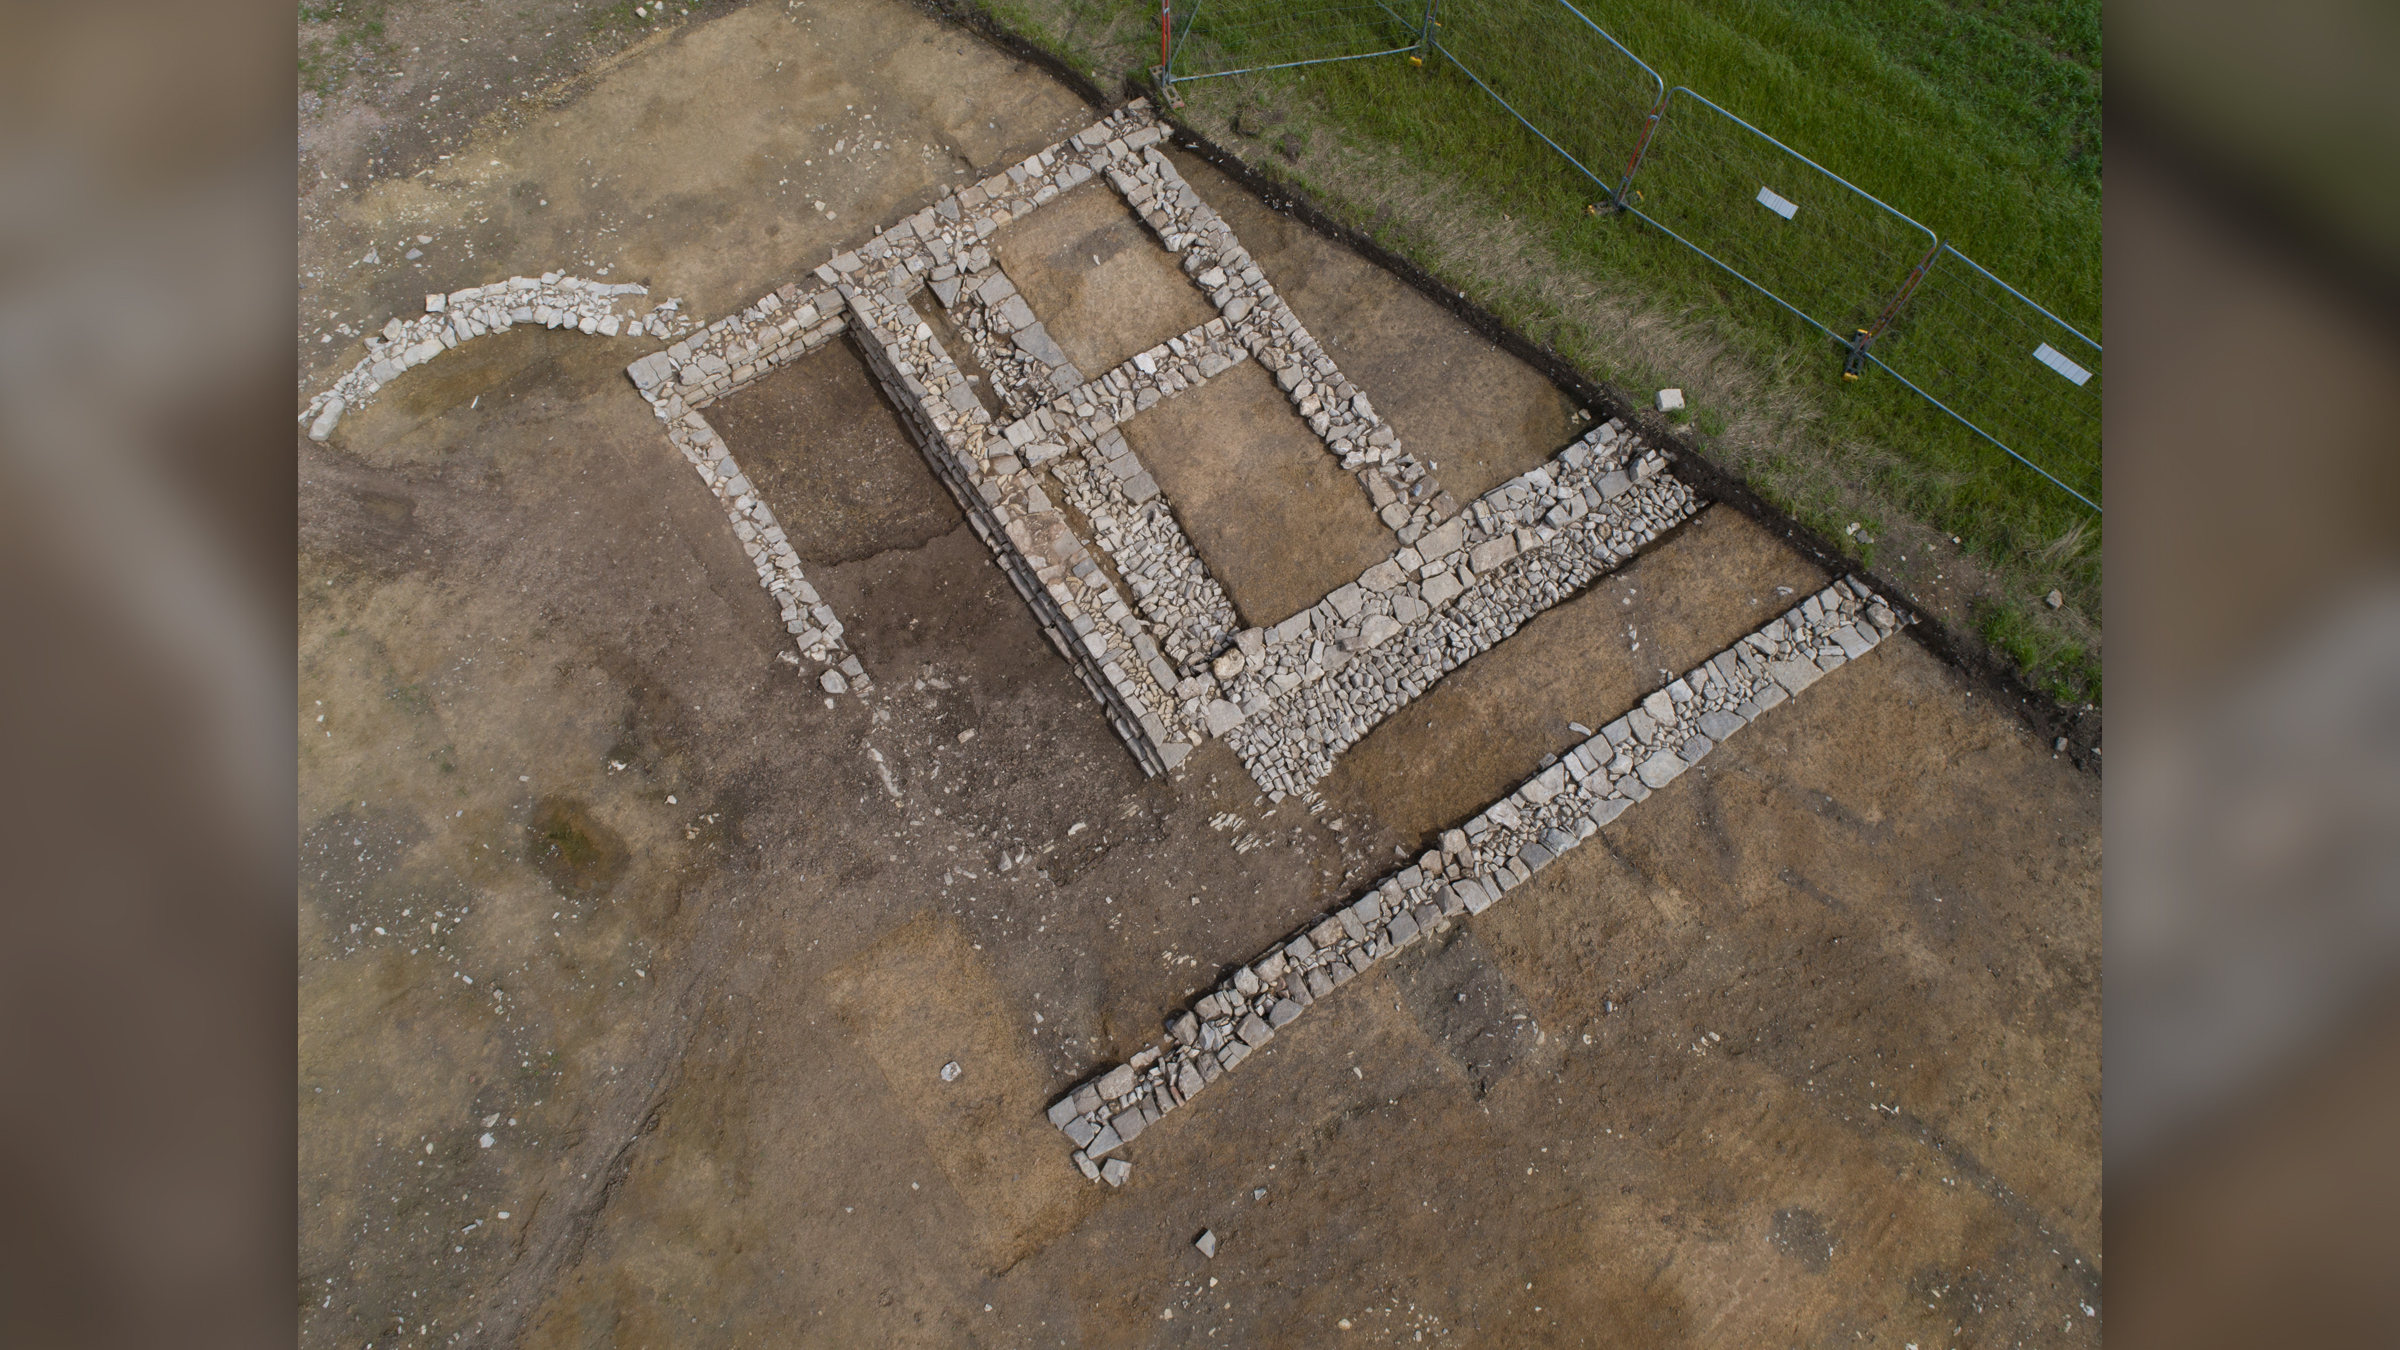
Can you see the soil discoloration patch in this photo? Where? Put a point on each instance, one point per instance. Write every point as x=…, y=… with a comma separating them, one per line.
x=575, y=852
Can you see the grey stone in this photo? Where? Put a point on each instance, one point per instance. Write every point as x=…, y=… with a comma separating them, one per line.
x=1697, y=748
x=1661, y=769
x=1491, y=554
x=1129, y=1123
x=1254, y=1032
x=1794, y=675
x=1062, y=1111
x=1717, y=724
x=1117, y=1082
x=1374, y=631
x=1102, y=1142
x=1115, y=1170
x=1082, y=1131
x=1607, y=809
x=1853, y=643
x=1282, y=1013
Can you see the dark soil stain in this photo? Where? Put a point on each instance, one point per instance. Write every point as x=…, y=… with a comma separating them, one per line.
x=1800, y=1234
x=580, y=855
x=1469, y=1008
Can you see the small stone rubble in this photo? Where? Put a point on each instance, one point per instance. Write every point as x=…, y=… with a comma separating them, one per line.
x=1308, y=688
x=1501, y=848
x=1025, y=366
x=703, y=368
x=552, y=300
x=1188, y=611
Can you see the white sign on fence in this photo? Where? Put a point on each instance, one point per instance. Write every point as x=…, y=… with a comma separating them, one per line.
x=1780, y=205
x=2050, y=356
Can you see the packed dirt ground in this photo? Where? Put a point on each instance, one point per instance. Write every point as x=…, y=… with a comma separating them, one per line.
x=630, y=961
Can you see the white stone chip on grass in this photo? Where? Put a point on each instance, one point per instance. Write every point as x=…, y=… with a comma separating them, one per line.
x=1669, y=400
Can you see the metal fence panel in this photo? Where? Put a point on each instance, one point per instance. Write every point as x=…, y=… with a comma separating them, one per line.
x=1864, y=274
x=1557, y=72
x=2013, y=372
x=1773, y=217
x=1236, y=37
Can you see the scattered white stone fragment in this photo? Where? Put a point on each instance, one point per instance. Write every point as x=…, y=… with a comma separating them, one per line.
x=833, y=682
x=486, y=1140
x=951, y=1071
x=1669, y=399
x=2054, y=599
x=1207, y=1243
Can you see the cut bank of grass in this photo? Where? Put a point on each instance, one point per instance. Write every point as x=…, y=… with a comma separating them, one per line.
x=1980, y=120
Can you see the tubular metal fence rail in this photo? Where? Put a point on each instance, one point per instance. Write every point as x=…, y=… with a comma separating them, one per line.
x=1882, y=286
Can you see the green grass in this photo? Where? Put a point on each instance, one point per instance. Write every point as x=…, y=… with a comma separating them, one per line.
x=1981, y=121
x=327, y=60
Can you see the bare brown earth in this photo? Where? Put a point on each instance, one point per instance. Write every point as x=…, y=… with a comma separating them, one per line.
x=1805, y=1050
x=1099, y=280
x=1272, y=512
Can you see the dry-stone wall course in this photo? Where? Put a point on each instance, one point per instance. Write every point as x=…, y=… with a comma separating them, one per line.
x=1308, y=688
x=553, y=300
x=1475, y=865
x=699, y=370
x=1132, y=606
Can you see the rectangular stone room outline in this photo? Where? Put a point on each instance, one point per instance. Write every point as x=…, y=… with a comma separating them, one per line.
x=1169, y=667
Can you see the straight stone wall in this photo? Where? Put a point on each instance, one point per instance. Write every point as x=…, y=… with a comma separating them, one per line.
x=1476, y=864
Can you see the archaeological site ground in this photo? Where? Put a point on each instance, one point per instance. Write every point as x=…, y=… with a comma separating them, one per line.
x=992, y=741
